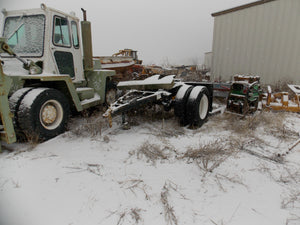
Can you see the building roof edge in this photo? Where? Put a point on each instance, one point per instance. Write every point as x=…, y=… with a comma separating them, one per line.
x=241, y=7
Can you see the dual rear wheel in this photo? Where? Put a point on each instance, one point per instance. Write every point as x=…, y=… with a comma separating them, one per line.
x=192, y=105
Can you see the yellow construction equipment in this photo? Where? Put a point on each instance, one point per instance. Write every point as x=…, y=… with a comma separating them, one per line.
x=282, y=100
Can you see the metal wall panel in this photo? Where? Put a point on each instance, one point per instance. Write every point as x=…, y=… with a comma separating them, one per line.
x=262, y=40
x=208, y=60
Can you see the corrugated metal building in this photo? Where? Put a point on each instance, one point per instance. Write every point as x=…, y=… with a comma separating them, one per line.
x=208, y=60
x=260, y=38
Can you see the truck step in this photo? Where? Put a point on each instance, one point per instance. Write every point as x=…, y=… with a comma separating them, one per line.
x=87, y=103
x=85, y=93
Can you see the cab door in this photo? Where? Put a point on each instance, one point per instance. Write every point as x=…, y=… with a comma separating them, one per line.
x=66, y=47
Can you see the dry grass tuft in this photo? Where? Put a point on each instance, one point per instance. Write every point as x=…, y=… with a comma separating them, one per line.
x=134, y=213
x=135, y=184
x=273, y=123
x=89, y=127
x=153, y=152
x=169, y=212
x=90, y=167
x=289, y=177
x=169, y=129
x=292, y=201
x=32, y=139
x=209, y=156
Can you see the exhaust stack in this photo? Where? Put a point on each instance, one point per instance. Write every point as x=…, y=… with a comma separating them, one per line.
x=86, y=34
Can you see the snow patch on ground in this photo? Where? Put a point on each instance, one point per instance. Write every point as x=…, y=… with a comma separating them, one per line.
x=145, y=176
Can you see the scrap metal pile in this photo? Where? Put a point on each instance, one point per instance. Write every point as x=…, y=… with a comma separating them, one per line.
x=245, y=94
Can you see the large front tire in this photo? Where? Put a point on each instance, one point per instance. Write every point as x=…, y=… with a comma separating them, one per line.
x=43, y=112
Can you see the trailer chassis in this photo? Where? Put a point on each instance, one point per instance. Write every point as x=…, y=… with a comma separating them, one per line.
x=191, y=101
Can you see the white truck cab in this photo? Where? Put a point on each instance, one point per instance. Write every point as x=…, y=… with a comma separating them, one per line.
x=48, y=37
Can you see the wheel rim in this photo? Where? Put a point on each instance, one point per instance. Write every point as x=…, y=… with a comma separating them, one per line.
x=203, y=107
x=51, y=114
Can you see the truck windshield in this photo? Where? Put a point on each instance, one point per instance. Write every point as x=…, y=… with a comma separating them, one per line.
x=25, y=34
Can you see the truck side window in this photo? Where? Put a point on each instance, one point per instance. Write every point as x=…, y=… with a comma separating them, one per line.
x=75, y=34
x=61, y=35
x=18, y=35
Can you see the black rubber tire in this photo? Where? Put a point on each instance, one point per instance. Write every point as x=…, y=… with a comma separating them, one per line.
x=43, y=113
x=180, y=102
x=15, y=101
x=197, y=107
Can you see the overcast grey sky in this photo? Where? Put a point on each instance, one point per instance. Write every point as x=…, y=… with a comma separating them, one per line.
x=174, y=31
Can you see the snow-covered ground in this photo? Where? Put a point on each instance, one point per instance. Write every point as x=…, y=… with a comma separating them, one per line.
x=226, y=172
